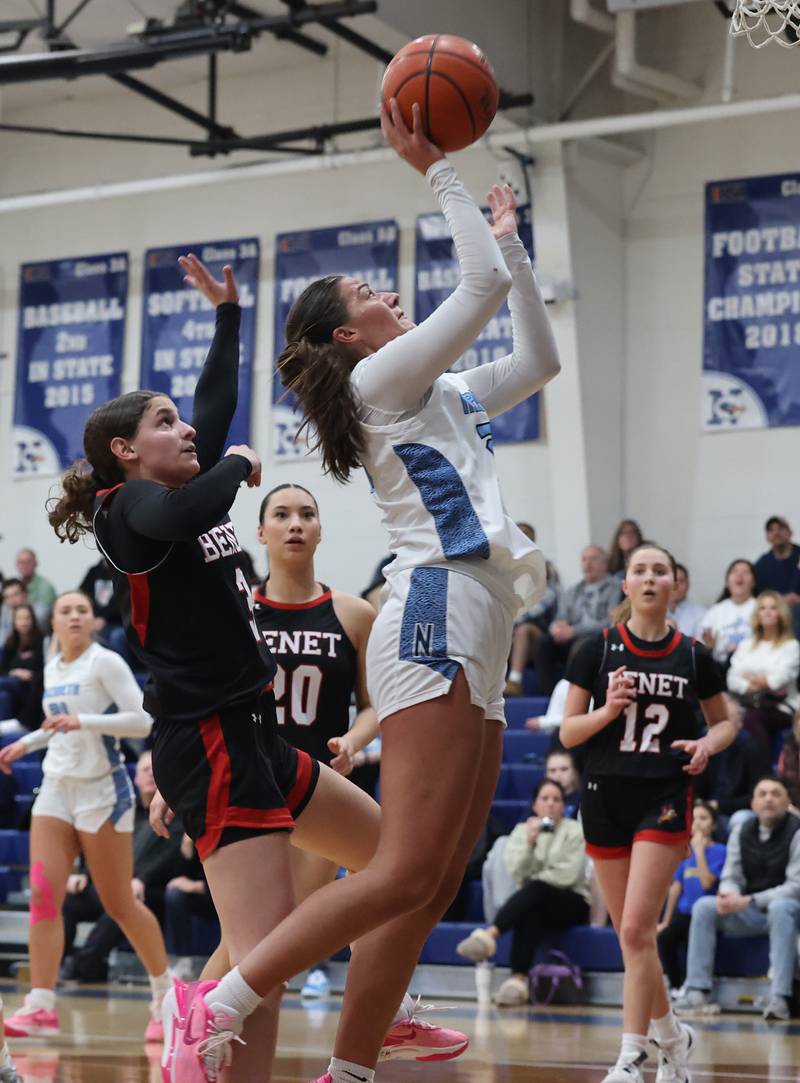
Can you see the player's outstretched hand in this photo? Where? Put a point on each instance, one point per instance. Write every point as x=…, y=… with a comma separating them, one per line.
x=620, y=695
x=412, y=146
x=161, y=815
x=197, y=276
x=698, y=754
x=254, y=477
x=343, y=760
x=503, y=205
x=10, y=754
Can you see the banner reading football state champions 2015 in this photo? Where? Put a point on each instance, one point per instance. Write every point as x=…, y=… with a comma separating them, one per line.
x=437, y=275
x=751, y=346
x=178, y=324
x=69, y=356
x=367, y=251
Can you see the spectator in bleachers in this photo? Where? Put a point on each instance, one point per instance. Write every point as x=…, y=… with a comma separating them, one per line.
x=187, y=896
x=685, y=615
x=15, y=594
x=582, y=609
x=779, y=568
x=759, y=893
x=626, y=537
x=156, y=861
x=532, y=623
x=40, y=591
x=764, y=669
x=728, y=783
x=98, y=585
x=789, y=764
x=560, y=767
x=546, y=858
x=727, y=622
x=21, y=667
x=551, y=719
x=696, y=876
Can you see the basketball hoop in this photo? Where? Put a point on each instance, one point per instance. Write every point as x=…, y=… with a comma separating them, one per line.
x=764, y=21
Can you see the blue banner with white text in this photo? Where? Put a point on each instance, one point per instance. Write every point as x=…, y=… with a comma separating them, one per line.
x=69, y=356
x=751, y=340
x=367, y=251
x=437, y=275
x=178, y=324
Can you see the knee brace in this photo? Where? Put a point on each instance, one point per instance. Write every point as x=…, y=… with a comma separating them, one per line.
x=43, y=907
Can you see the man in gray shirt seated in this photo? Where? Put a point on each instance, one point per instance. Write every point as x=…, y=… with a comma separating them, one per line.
x=582, y=609
x=759, y=892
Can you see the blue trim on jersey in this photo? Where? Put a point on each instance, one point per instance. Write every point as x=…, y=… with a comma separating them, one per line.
x=423, y=633
x=123, y=790
x=445, y=497
x=471, y=403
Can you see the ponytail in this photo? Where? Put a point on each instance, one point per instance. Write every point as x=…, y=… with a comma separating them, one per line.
x=622, y=614
x=70, y=515
x=317, y=371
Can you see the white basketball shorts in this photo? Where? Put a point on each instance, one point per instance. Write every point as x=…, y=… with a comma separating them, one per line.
x=87, y=803
x=433, y=622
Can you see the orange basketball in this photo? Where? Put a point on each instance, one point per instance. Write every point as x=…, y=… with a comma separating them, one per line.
x=454, y=84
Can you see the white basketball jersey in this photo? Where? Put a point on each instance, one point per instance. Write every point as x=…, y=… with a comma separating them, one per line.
x=434, y=479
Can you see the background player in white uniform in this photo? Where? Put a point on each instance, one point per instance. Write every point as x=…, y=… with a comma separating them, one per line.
x=85, y=804
x=375, y=388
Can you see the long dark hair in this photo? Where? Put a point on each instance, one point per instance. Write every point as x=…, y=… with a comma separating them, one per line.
x=279, y=488
x=739, y=560
x=318, y=371
x=31, y=642
x=616, y=557
x=622, y=614
x=70, y=515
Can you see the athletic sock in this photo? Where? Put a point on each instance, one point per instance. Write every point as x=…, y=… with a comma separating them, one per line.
x=405, y=1011
x=666, y=1029
x=233, y=995
x=160, y=986
x=5, y=1057
x=344, y=1071
x=41, y=999
x=633, y=1045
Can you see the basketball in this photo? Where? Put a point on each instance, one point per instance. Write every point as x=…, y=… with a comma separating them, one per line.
x=454, y=83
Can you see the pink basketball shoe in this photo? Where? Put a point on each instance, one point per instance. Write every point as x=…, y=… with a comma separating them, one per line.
x=412, y=1039
x=173, y=1020
x=203, y=1046
x=32, y=1023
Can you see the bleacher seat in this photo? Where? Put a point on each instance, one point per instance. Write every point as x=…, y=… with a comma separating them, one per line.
x=517, y=781
x=509, y=812
x=6, y=708
x=517, y=744
x=518, y=708
x=23, y=802
x=14, y=847
x=10, y=880
x=28, y=775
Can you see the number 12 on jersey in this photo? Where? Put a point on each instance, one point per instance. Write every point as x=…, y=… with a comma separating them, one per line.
x=656, y=715
x=303, y=695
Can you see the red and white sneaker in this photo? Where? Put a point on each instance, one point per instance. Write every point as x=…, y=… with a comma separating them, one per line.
x=412, y=1039
x=32, y=1023
x=203, y=1044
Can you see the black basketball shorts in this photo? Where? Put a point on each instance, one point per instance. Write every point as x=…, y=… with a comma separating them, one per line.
x=617, y=811
x=231, y=776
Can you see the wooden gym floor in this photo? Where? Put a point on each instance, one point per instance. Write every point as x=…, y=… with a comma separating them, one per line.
x=102, y=1026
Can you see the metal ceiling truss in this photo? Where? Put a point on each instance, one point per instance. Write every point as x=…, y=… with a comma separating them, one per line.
x=199, y=28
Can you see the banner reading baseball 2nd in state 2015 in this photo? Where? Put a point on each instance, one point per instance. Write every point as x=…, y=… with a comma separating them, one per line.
x=178, y=324
x=69, y=356
x=437, y=275
x=367, y=251
x=751, y=346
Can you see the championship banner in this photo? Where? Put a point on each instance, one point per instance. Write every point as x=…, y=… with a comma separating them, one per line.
x=178, y=324
x=751, y=340
x=69, y=356
x=367, y=251
x=437, y=275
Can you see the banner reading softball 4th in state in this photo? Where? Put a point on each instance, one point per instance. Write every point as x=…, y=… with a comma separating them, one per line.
x=178, y=324
x=69, y=356
x=751, y=347
x=437, y=275
x=367, y=251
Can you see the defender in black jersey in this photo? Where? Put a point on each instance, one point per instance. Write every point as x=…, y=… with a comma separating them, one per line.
x=669, y=677
x=643, y=741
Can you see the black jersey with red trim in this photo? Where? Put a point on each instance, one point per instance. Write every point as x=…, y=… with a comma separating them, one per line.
x=670, y=677
x=316, y=670
x=176, y=563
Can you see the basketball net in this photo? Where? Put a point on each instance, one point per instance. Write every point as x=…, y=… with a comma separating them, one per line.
x=764, y=21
